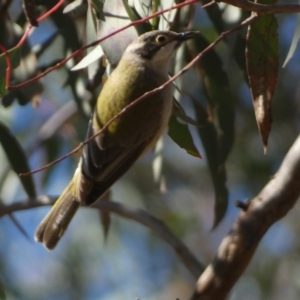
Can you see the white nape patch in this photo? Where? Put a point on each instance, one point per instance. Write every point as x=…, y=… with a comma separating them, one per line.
x=133, y=46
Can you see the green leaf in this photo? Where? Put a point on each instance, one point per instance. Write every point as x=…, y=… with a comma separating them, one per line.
x=179, y=112
x=90, y=58
x=52, y=147
x=217, y=134
x=72, y=6
x=93, y=54
x=134, y=16
x=31, y=92
x=20, y=228
x=30, y=12
x=217, y=90
x=181, y=135
x=262, y=69
x=155, y=21
x=238, y=52
x=2, y=291
x=215, y=15
x=98, y=7
x=15, y=57
x=210, y=139
x=17, y=158
x=294, y=44
x=104, y=215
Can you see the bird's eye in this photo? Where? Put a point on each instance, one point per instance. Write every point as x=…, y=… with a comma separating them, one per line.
x=160, y=39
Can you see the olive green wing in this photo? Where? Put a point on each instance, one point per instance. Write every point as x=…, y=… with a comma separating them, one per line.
x=104, y=165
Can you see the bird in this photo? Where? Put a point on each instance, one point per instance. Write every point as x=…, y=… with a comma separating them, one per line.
x=143, y=67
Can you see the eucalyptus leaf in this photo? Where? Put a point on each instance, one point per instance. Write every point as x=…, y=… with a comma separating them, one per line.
x=181, y=135
x=17, y=158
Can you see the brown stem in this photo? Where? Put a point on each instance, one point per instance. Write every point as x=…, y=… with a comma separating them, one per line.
x=238, y=247
x=263, y=9
x=138, y=215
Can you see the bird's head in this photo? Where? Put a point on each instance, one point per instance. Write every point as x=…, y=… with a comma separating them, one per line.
x=156, y=48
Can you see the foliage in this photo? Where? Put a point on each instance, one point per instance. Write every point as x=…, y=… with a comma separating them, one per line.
x=65, y=60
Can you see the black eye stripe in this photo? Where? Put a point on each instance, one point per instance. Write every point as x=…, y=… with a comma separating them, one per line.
x=149, y=50
x=152, y=44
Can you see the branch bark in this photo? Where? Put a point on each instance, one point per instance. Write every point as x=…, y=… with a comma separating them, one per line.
x=263, y=9
x=138, y=215
x=238, y=247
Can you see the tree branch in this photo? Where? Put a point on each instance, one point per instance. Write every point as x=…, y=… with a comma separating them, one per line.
x=263, y=9
x=138, y=215
x=238, y=247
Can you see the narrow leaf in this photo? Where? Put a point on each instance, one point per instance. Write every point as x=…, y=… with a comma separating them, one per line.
x=210, y=140
x=105, y=222
x=262, y=69
x=181, y=135
x=105, y=214
x=217, y=122
x=98, y=6
x=2, y=291
x=134, y=16
x=179, y=112
x=238, y=52
x=14, y=56
x=30, y=12
x=17, y=158
x=93, y=54
x=217, y=91
x=72, y=6
x=294, y=43
x=20, y=227
x=215, y=15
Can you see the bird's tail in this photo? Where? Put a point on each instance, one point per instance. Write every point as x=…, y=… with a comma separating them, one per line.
x=53, y=226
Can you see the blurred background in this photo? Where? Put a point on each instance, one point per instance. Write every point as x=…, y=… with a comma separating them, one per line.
x=50, y=119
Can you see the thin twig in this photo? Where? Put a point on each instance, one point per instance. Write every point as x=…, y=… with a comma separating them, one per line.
x=208, y=4
x=77, y=52
x=22, y=40
x=238, y=247
x=40, y=19
x=137, y=215
x=263, y=9
x=8, y=66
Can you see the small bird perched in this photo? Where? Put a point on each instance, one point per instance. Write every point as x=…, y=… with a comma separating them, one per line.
x=142, y=68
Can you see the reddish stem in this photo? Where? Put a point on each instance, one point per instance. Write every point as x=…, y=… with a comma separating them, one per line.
x=41, y=18
x=60, y=64
x=8, y=63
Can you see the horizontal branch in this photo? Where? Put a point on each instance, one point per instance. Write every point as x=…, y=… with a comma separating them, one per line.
x=138, y=215
x=263, y=9
x=238, y=247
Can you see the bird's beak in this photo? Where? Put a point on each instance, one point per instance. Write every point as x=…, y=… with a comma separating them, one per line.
x=183, y=36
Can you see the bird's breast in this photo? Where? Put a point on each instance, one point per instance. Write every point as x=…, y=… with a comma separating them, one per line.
x=146, y=119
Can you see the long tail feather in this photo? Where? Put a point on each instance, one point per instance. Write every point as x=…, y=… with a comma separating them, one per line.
x=53, y=226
